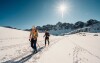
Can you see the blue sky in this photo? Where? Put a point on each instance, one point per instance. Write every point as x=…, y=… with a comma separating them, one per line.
x=26, y=13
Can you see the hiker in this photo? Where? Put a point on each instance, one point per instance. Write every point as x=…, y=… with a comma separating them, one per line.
x=46, y=37
x=33, y=38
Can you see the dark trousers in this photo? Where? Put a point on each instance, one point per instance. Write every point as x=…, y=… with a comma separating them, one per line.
x=33, y=44
x=46, y=39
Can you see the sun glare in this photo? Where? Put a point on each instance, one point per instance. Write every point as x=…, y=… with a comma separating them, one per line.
x=63, y=8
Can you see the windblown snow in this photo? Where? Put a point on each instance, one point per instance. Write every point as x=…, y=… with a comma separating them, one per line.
x=76, y=48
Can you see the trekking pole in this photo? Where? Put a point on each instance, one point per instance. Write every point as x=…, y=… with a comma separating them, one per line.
x=38, y=45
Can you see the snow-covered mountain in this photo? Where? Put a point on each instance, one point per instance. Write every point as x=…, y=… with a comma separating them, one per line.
x=95, y=28
x=61, y=28
x=81, y=47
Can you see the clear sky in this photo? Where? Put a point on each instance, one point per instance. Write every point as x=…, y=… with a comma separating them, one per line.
x=25, y=13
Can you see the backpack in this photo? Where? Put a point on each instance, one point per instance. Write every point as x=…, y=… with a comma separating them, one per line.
x=34, y=34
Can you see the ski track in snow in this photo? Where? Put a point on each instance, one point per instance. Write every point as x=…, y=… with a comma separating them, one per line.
x=78, y=54
x=36, y=57
x=27, y=53
x=78, y=51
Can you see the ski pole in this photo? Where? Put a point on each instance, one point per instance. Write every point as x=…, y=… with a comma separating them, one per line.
x=38, y=45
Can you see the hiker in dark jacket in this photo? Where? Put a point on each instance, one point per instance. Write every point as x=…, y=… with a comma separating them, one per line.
x=33, y=38
x=46, y=37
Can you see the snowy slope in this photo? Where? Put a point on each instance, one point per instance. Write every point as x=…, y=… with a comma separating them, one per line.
x=75, y=48
x=14, y=44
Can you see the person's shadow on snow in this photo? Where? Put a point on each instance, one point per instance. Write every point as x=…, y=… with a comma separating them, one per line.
x=24, y=59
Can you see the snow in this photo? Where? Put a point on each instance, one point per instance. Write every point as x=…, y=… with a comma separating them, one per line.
x=75, y=48
x=95, y=28
x=14, y=44
x=59, y=32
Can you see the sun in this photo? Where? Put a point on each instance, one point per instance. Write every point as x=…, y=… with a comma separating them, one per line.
x=63, y=8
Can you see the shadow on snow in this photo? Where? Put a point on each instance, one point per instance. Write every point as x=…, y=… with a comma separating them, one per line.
x=24, y=59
